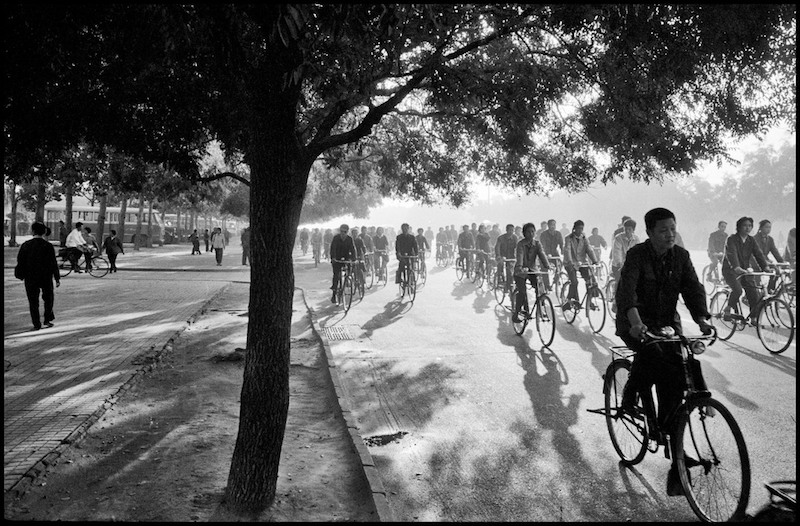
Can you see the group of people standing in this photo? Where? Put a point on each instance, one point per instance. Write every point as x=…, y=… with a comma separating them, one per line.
x=217, y=240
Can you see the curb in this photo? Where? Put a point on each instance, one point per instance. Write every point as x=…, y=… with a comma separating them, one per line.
x=150, y=362
x=371, y=474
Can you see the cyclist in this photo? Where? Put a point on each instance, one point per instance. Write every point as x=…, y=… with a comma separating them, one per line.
x=94, y=248
x=597, y=242
x=466, y=242
x=367, y=239
x=404, y=245
x=654, y=274
x=304, y=240
x=552, y=242
x=361, y=249
x=423, y=246
x=767, y=246
x=577, y=251
x=740, y=248
x=76, y=246
x=316, y=242
x=716, y=248
x=506, y=248
x=482, y=240
x=441, y=242
x=538, y=235
x=381, y=243
x=622, y=243
x=342, y=247
x=429, y=239
x=527, y=250
x=493, y=235
x=327, y=237
x=621, y=228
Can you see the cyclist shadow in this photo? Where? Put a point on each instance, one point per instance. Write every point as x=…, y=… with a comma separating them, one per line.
x=782, y=363
x=461, y=289
x=585, y=339
x=482, y=300
x=392, y=311
x=634, y=496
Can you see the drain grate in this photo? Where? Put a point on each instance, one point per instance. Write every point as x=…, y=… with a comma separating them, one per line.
x=338, y=333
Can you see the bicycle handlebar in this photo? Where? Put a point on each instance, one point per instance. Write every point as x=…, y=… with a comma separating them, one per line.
x=688, y=341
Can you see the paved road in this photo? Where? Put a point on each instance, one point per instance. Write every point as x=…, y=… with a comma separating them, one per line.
x=57, y=380
x=470, y=422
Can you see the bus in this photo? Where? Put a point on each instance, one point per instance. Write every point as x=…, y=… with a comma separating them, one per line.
x=55, y=211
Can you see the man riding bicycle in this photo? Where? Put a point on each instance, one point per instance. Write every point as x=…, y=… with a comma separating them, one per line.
x=552, y=244
x=576, y=252
x=654, y=274
x=716, y=248
x=622, y=243
x=405, y=245
x=740, y=249
x=466, y=242
x=342, y=248
x=506, y=248
x=527, y=250
x=482, y=240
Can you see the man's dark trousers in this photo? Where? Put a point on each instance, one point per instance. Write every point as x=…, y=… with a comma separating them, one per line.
x=32, y=289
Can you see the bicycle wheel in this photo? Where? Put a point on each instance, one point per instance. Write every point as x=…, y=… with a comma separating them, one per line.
x=725, y=329
x=602, y=273
x=423, y=273
x=412, y=285
x=499, y=287
x=776, y=325
x=100, y=267
x=460, y=268
x=523, y=316
x=611, y=298
x=596, y=309
x=572, y=313
x=369, y=274
x=64, y=268
x=712, y=461
x=348, y=290
x=479, y=276
x=628, y=433
x=709, y=284
x=545, y=319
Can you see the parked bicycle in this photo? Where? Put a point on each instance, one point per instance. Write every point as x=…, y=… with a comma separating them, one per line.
x=593, y=301
x=98, y=265
x=542, y=311
x=710, y=452
x=775, y=322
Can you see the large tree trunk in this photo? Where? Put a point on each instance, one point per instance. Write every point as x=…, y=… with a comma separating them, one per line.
x=161, y=238
x=277, y=188
x=123, y=211
x=70, y=190
x=137, y=243
x=101, y=218
x=178, y=226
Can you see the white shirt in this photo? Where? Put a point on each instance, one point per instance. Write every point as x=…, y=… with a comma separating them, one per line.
x=75, y=239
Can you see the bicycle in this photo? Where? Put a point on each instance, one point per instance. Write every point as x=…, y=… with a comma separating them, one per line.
x=317, y=250
x=712, y=279
x=480, y=270
x=369, y=270
x=775, y=323
x=304, y=247
x=559, y=275
x=441, y=255
x=710, y=452
x=593, y=300
x=421, y=268
x=464, y=265
x=382, y=274
x=502, y=287
x=408, y=278
x=784, y=286
x=543, y=311
x=610, y=293
x=98, y=268
x=347, y=284
x=602, y=269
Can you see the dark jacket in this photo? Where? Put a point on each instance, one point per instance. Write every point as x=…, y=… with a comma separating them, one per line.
x=716, y=242
x=652, y=285
x=738, y=254
x=465, y=240
x=37, y=259
x=112, y=245
x=550, y=240
x=767, y=246
x=406, y=245
x=342, y=248
x=527, y=252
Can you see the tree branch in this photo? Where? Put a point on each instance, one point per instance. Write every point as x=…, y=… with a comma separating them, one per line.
x=223, y=175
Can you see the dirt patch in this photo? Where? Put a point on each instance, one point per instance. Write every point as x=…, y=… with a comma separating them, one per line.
x=163, y=452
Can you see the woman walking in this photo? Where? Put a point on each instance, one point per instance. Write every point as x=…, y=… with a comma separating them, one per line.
x=218, y=244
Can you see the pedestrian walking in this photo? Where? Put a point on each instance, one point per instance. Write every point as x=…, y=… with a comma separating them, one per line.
x=113, y=247
x=218, y=244
x=245, y=245
x=195, y=239
x=37, y=266
x=206, y=238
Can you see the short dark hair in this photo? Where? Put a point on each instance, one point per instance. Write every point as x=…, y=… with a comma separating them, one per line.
x=114, y=232
x=576, y=224
x=38, y=228
x=526, y=226
x=655, y=215
x=78, y=224
x=764, y=222
x=742, y=220
x=509, y=226
x=630, y=222
x=721, y=223
x=88, y=229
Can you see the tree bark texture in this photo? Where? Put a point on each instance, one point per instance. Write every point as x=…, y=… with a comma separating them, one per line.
x=101, y=218
x=41, y=188
x=150, y=225
x=123, y=210
x=137, y=238
x=12, y=231
x=68, y=204
x=278, y=183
